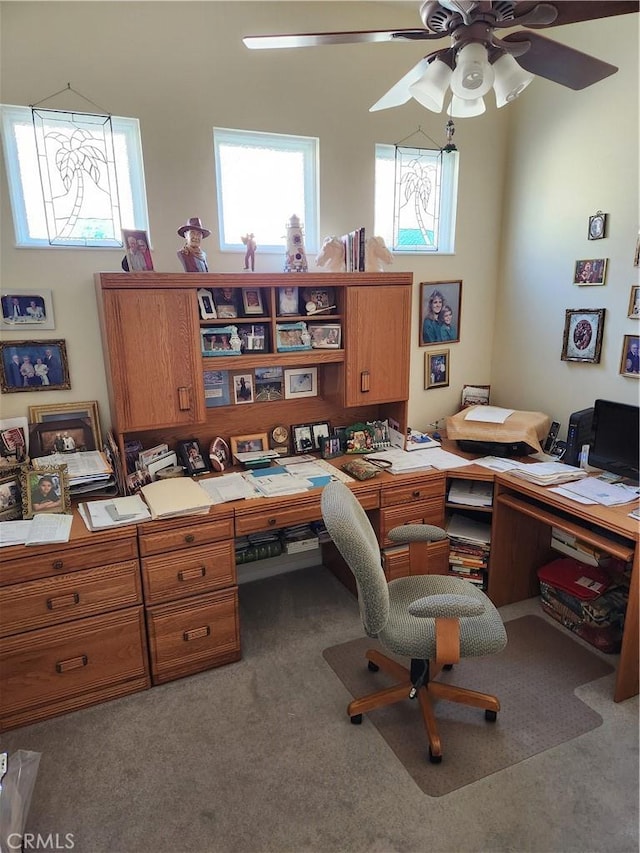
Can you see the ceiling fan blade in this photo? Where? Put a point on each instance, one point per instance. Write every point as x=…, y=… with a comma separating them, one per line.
x=400, y=94
x=558, y=62
x=568, y=12
x=356, y=37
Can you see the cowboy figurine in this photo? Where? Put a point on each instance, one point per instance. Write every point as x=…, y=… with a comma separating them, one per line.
x=192, y=257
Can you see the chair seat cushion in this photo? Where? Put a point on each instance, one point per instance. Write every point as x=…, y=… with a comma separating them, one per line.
x=414, y=636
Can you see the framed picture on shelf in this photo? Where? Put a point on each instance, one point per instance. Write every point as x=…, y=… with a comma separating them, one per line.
x=634, y=303
x=192, y=458
x=225, y=303
x=268, y=384
x=63, y=436
x=216, y=388
x=10, y=494
x=317, y=299
x=475, y=395
x=138, y=256
x=591, y=271
x=220, y=340
x=320, y=431
x=292, y=336
x=582, y=339
x=44, y=490
x=27, y=309
x=72, y=412
x=243, y=388
x=302, y=438
x=325, y=335
x=34, y=366
x=288, y=301
x=630, y=357
x=300, y=382
x=249, y=443
x=253, y=338
x=206, y=304
x=440, y=310
x=252, y=301
x=436, y=368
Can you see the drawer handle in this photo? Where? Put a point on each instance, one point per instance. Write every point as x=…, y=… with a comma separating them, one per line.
x=63, y=601
x=57, y=564
x=190, y=538
x=272, y=522
x=415, y=494
x=184, y=398
x=197, y=633
x=191, y=574
x=72, y=663
x=365, y=383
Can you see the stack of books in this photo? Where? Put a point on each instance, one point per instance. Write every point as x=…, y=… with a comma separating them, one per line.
x=354, y=250
x=258, y=546
x=469, y=547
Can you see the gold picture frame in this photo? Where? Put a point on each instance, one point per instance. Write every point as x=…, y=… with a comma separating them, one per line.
x=69, y=411
x=436, y=369
x=629, y=360
x=36, y=499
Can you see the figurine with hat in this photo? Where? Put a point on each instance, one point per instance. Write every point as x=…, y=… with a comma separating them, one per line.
x=192, y=257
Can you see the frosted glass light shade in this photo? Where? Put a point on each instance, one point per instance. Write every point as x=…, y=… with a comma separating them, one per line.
x=431, y=88
x=473, y=75
x=465, y=107
x=510, y=80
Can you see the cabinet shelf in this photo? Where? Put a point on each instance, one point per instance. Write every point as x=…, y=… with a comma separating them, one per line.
x=271, y=359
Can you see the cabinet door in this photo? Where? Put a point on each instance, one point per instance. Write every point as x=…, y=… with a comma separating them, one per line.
x=377, y=345
x=155, y=366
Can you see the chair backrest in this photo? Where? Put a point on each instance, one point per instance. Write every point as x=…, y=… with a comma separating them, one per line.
x=355, y=538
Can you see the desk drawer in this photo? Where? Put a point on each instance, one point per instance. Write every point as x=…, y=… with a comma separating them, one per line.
x=418, y=491
x=193, y=635
x=185, y=536
x=49, y=601
x=276, y=518
x=29, y=565
x=66, y=661
x=418, y=512
x=189, y=572
x=396, y=561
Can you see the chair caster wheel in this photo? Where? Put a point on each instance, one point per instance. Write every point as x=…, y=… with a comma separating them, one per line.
x=373, y=667
x=491, y=716
x=434, y=759
x=356, y=719
x=448, y=666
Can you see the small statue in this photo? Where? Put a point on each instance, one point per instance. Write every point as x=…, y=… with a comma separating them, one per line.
x=296, y=259
x=331, y=255
x=376, y=255
x=305, y=337
x=250, y=255
x=192, y=257
x=234, y=340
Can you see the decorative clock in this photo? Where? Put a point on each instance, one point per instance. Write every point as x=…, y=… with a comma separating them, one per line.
x=597, y=225
x=279, y=439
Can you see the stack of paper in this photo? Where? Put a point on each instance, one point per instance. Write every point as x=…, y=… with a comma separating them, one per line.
x=278, y=481
x=549, y=473
x=471, y=493
x=176, y=496
x=87, y=470
x=98, y=515
x=228, y=487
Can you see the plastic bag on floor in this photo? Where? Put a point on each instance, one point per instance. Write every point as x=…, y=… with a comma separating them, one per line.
x=16, y=788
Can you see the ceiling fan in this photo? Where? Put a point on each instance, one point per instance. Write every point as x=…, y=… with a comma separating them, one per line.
x=477, y=60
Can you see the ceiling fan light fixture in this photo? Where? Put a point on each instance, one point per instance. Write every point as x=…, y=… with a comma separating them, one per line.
x=510, y=80
x=473, y=75
x=466, y=107
x=431, y=88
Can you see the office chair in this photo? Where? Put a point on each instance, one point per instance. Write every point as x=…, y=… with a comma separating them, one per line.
x=432, y=619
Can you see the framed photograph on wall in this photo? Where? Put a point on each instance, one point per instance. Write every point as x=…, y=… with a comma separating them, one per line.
x=592, y=271
x=300, y=382
x=27, y=309
x=634, y=303
x=597, y=226
x=34, y=366
x=436, y=368
x=45, y=490
x=630, y=357
x=72, y=412
x=440, y=310
x=582, y=339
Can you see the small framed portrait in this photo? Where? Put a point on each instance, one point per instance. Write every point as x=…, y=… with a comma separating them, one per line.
x=592, y=271
x=252, y=301
x=300, y=382
x=302, y=438
x=268, y=384
x=206, y=304
x=243, y=388
x=225, y=303
x=34, y=366
x=138, y=255
x=292, y=336
x=288, y=301
x=634, y=303
x=220, y=340
x=45, y=490
x=475, y=395
x=582, y=339
x=249, y=443
x=316, y=299
x=440, y=309
x=253, y=338
x=27, y=309
x=436, y=369
x=325, y=335
x=320, y=431
x=630, y=357
x=62, y=436
x=192, y=458
x=14, y=437
x=10, y=494
x=85, y=411
x=597, y=226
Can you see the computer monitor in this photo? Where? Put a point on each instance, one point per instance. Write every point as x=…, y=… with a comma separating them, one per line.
x=615, y=438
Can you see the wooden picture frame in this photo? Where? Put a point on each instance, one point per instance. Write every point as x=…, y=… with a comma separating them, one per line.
x=70, y=411
x=192, y=458
x=302, y=438
x=45, y=490
x=440, y=312
x=325, y=335
x=11, y=493
x=436, y=369
x=63, y=436
x=252, y=301
x=582, y=338
x=634, y=303
x=52, y=355
x=252, y=443
x=319, y=431
x=206, y=304
x=300, y=382
x=630, y=356
x=26, y=309
x=590, y=271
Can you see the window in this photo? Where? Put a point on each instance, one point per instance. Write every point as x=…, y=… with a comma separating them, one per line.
x=262, y=180
x=420, y=217
x=79, y=204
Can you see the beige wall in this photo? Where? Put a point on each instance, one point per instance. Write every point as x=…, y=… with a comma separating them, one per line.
x=181, y=69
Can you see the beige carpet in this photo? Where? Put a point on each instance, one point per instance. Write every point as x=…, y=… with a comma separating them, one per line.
x=534, y=679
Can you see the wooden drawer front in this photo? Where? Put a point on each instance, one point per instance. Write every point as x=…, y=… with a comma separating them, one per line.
x=396, y=561
x=193, y=635
x=188, y=572
x=420, y=512
x=275, y=519
x=188, y=536
x=49, y=601
x=419, y=491
x=51, y=664
x=30, y=566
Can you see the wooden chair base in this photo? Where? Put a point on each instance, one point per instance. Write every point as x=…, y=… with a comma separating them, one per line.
x=426, y=694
